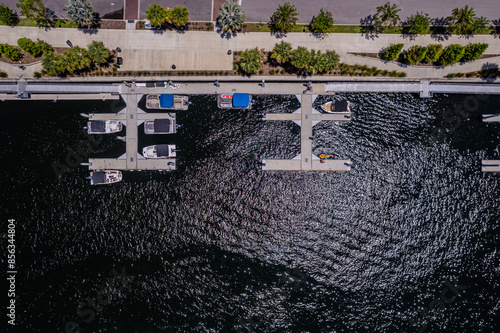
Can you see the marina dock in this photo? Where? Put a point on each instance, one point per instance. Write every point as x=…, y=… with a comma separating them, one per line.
x=424, y=88
x=131, y=116
x=491, y=118
x=307, y=117
x=490, y=165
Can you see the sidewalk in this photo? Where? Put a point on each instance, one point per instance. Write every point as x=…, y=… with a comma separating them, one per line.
x=199, y=50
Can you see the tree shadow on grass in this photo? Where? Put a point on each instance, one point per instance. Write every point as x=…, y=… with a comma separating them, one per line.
x=368, y=29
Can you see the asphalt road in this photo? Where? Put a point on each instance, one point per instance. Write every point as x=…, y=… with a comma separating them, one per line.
x=344, y=12
x=350, y=12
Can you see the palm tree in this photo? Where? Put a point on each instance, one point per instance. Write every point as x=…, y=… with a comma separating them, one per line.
x=463, y=21
x=97, y=52
x=179, y=16
x=156, y=14
x=300, y=57
x=250, y=61
x=32, y=9
x=74, y=59
x=323, y=22
x=51, y=64
x=231, y=17
x=284, y=18
x=386, y=16
x=417, y=24
x=80, y=12
x=332, y=60
x=281, y=52
x=318, y=62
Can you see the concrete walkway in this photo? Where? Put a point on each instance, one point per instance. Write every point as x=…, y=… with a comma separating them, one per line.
x=197, y=50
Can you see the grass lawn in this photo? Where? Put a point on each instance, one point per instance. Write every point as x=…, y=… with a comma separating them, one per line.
x=58, y=23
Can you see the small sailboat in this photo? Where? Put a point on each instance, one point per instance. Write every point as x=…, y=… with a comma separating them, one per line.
x=336, y=106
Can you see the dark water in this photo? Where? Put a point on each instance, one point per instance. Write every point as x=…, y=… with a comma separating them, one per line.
x=221, y=246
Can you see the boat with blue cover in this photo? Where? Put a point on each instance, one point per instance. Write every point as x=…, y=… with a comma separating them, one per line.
x=235, y=101
x=167, y=102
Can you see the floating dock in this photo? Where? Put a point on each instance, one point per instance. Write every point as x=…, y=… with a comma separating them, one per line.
x=490, y=165
x=306, y=161
x=424, y=88
x=132, y=117
x=491, y=118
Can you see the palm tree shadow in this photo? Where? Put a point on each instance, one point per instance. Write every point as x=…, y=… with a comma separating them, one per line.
x=496, y=28
x=94, y=25
x=367, y=27
x=489, y=72
x=438, y=29
x=225, y=34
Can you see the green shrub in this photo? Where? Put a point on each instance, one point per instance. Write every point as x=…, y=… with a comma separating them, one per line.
x=36, y=49
x=474, y=51
x=37, y=75
x=434, y=51
x=392, y=52
x=415, y=54
x=3, y=74
x=451, y=75
x=10, y=52
x=29, y=46
x=451, y=55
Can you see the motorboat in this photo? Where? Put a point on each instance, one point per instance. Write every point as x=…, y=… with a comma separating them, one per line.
x=104, y=126
x=167, y=102
x=101, y=177
x=337, y=106
x=160, y=126
x=159, y=151
x=235, y=101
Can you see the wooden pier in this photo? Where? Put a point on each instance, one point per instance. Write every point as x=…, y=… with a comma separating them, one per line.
x=306, y=161
x=131, y=117
x=490, y=165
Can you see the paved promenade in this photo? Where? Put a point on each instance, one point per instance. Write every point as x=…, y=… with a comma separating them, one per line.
x=197, y=50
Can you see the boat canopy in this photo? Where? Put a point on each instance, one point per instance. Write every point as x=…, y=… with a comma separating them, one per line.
x=341, y=105
x=98, y=126
x=166, y=100
x=99, y=177
x=241, y=100
x=162, y=150
x=162, y=125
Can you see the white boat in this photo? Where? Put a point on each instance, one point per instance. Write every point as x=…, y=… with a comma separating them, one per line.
x=235, y=101
x=167, y=102
x=100, y=177
x=337, y=106
x=159, y=151
x=104, y=126
x=160, y=126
